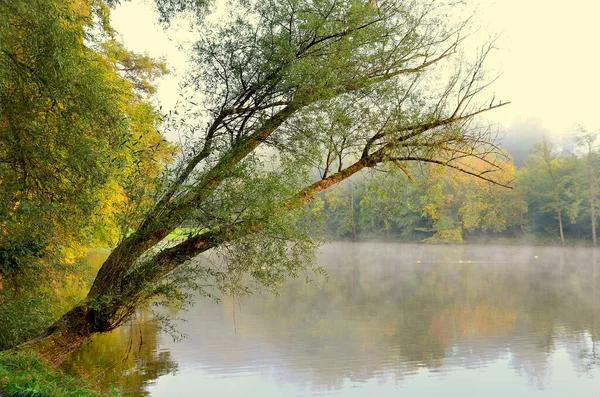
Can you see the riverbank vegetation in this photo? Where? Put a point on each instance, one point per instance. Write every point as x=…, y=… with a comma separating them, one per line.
x=26, y=375
x=79, y=149
x=553, y=201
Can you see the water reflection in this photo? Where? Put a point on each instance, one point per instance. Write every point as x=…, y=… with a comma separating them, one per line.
x=128, y=358
x=422, y=319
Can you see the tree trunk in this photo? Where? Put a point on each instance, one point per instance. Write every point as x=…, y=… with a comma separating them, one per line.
x=352, y=211
x=592, y=182
x=60, y=340
x=560, y=227
x=593, y=216
x=113, y=300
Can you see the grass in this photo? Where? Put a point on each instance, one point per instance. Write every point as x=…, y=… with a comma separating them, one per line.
x=26, y=375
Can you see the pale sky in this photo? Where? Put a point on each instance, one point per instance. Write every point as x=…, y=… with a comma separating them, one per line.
x=547, y=56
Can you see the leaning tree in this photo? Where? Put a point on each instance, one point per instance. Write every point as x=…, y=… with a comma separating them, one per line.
x=288, y=90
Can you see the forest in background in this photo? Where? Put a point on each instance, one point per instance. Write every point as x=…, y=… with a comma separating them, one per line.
x=553, y=201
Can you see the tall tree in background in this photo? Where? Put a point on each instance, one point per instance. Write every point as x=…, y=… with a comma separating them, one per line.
x=287, y=87
x=587, y=141
x=544, y=182
x=341, y=204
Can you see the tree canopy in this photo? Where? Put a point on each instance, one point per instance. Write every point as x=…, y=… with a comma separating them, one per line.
x=340, y=86
x=285, y=89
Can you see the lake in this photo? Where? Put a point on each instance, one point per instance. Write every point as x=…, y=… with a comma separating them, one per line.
x=391, y=319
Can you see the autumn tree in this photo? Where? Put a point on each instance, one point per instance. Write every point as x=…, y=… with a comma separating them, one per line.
x=288, y=88
x=459, y=206
x=79, y=145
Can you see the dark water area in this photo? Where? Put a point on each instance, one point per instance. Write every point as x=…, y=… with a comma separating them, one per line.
x=390, y=319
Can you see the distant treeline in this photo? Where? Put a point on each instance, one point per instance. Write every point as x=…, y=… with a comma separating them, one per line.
x=554, y=200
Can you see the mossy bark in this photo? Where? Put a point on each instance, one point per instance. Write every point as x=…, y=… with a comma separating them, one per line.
x=61, y=339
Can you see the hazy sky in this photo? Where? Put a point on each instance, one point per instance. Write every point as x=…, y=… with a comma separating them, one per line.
x=547, y=56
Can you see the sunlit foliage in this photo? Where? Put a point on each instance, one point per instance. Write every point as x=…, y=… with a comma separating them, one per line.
x=428, y=203
x=79, y=151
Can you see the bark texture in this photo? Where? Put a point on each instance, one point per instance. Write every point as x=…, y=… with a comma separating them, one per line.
x=61, y=339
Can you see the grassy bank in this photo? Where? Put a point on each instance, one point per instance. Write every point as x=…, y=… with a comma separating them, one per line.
x=25, y=375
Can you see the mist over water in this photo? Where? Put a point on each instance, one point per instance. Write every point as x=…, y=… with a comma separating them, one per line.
x=391, y=318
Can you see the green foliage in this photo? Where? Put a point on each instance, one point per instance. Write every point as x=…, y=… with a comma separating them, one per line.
x=435, y=205
x=16, y=256
x=440, y=205
x=342, y=204
x=29, y=303
x=26, y=375
x=549, y=184
x=60, y=117
x=70, y=127
x=80, y=153
x=560, y=187
x=25, y=317
x=263, y=242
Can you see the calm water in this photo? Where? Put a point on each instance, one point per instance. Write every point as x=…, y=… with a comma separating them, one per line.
x=391, y=319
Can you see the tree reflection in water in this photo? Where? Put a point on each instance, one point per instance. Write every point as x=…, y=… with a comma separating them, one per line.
x=386, y=311
x=128, y=358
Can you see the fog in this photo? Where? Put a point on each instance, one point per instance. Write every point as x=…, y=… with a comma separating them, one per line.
x=390, y=318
